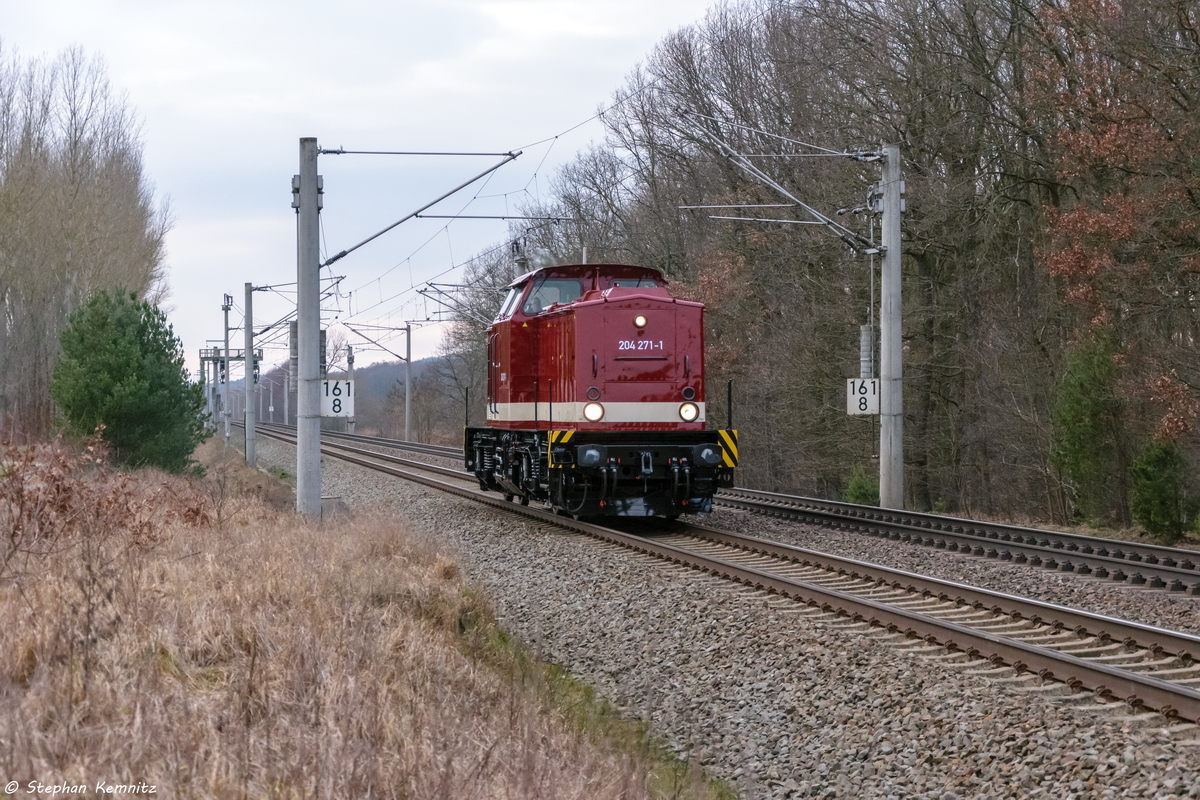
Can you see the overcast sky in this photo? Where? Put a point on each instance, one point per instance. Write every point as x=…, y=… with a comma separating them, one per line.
x=226, y=90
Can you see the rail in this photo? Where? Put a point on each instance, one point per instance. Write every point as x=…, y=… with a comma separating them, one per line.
x=1139, y=689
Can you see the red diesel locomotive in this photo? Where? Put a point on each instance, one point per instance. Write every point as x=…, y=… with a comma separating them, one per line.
x=595, y=397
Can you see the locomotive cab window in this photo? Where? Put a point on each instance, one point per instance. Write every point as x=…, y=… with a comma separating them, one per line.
x=510, y=302
x=550, y=291
x=634, y=283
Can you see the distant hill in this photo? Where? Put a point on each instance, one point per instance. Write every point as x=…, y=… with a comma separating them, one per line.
x=378, y=379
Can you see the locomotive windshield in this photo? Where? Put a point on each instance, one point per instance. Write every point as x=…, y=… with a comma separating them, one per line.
x=510, y=301
x=549, y=291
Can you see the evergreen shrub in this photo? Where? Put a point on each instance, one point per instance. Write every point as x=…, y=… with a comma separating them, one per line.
x=1162, y=501
x=862, y=489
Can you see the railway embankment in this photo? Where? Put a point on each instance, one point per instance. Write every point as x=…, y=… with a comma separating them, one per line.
x=772, y=697
x=193, y=639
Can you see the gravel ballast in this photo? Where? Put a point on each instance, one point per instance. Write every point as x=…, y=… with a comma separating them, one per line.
x=781, y=705
x=1173, y=610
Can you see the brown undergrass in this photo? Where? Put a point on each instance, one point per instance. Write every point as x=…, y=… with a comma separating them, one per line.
x=191, y=637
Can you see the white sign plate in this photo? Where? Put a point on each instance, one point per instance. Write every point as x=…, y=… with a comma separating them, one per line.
x=337, y=398
x=862, y=395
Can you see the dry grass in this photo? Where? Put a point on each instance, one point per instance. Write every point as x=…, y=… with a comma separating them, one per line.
x=221, y=648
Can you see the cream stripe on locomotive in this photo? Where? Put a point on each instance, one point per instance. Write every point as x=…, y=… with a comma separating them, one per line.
x=573, y=412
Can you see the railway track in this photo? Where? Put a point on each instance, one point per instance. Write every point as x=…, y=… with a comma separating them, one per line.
x=1152, y=566
x=399, y=444
x=1072, y=651
x=400, y=467
x=379, y=441
x=1161, y=655
x=1169, y=568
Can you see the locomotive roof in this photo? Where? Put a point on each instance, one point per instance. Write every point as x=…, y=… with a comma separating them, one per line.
x=581, y=267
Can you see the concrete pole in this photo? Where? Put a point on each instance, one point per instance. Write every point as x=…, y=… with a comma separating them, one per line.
x=251, y=387
x=891, y=345
x=272, y=404
x=350, y=370
x=308, y=315
x=225, y=398
x=207, y=395
x=408, y=382
x=287, y=398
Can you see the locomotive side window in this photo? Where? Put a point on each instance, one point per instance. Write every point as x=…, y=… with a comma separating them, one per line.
x=550, y=291
x=510, y=301
x=634, y=283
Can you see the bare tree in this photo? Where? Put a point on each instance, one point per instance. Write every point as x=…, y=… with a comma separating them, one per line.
x=1051, y=187
x=78, y=216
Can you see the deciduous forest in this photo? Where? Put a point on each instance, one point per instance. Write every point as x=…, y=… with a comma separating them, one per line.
x=1051, y=240
x=77, y=214
x=1050, y=243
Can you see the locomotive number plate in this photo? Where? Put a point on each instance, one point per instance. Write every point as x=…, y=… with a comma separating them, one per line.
x=640, y=344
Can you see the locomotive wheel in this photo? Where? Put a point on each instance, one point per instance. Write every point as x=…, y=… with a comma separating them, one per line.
x=524, y=499
x=508, y=498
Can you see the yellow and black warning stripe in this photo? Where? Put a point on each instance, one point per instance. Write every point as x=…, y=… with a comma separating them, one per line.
x=729, y=447
x=557, y=437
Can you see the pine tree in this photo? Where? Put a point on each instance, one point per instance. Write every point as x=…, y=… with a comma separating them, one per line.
x=122, y=367
x=1161, y=498
x=1092, y=446
x=862, y=489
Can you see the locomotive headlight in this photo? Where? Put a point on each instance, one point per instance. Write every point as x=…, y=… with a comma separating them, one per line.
x=688, y=412
x=640, y=320
x=593, y=412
